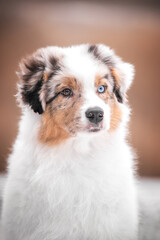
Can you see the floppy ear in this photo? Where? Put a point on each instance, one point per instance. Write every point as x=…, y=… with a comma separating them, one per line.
x=122, y=74
x=31, y=82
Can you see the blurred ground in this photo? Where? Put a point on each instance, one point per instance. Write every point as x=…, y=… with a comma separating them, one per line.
x=134, y=33
x=149, y=207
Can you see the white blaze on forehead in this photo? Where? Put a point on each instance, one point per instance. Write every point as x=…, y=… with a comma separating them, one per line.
x=83, y=65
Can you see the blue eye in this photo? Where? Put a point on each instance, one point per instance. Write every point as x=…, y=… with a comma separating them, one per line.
x=101, y=89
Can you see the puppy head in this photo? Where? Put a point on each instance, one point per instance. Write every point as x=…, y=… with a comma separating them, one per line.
x=80, y=89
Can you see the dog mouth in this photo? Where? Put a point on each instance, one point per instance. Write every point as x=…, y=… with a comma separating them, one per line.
x=95, y=128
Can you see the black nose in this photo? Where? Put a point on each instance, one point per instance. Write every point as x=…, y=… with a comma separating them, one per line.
x=95, y=115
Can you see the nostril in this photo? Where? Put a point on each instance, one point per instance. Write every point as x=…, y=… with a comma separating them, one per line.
x=95, y=115
x=90, y=115
x=100, y=114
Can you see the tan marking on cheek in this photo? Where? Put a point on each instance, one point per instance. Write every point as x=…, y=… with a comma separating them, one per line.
x=60, y=124
x=51, y=131
x=116, y=115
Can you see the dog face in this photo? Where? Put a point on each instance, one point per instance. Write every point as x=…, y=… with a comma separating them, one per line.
x=80, y=89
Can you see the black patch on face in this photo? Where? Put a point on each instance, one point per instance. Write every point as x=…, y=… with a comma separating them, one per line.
x=32, y=97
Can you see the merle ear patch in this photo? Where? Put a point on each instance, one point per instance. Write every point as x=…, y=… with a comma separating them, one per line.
x=31, y=81
x=32, y=97
x=122, y=73
x=35, y=72
x=122, y=76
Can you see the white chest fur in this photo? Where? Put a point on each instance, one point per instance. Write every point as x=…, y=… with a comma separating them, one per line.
x=81, y=190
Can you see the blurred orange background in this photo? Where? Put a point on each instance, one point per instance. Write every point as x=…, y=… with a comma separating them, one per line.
x=131, y=28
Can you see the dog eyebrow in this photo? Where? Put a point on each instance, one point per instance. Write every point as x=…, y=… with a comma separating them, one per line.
x=106, y=76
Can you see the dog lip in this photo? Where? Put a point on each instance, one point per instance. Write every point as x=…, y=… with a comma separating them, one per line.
x=94, y=130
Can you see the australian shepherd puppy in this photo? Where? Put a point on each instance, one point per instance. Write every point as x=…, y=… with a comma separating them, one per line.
x=71, y=172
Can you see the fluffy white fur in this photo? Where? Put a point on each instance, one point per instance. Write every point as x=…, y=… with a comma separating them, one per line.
x=81, y=189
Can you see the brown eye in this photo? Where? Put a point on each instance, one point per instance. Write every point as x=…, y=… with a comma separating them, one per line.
x=67, y=92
